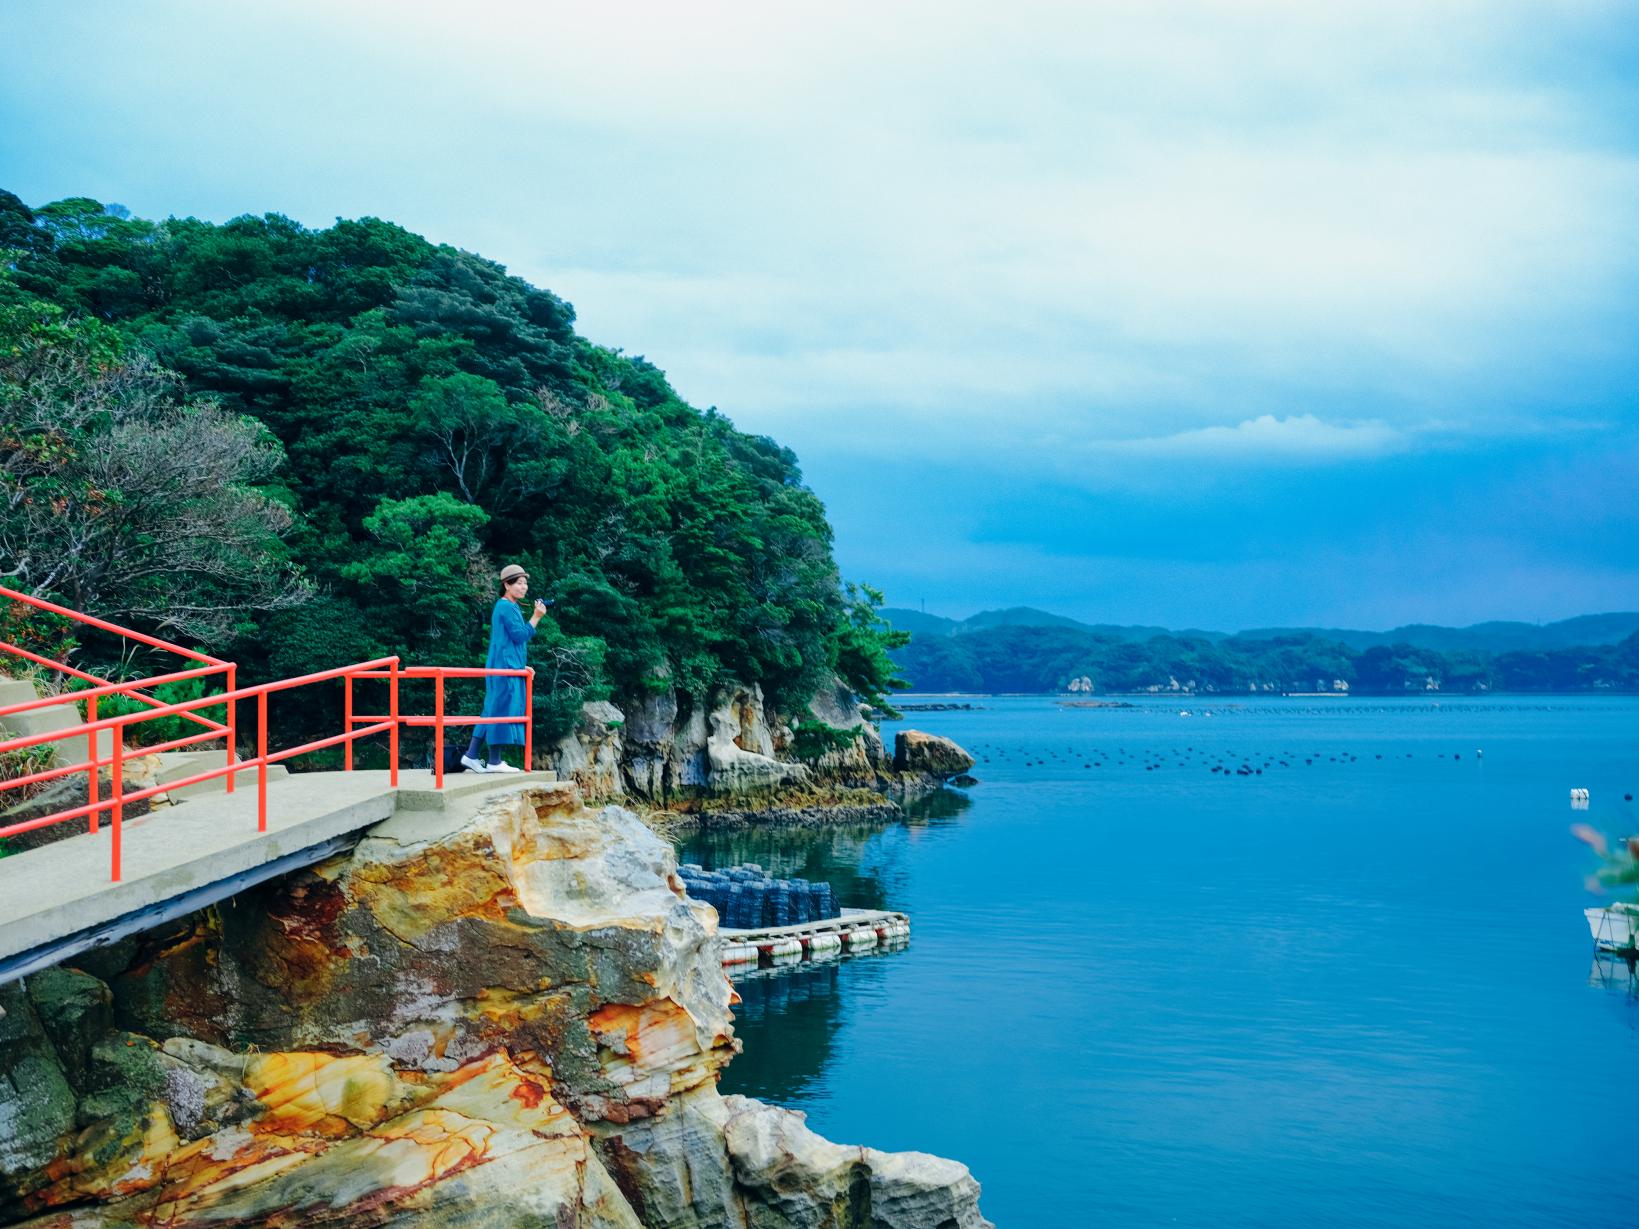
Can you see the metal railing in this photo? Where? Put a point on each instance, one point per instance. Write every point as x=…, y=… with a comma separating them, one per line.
x=133, y=689
x=439, y=718
x=118, y=798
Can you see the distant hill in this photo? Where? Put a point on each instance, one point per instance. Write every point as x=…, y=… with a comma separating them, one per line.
x=1493, y=637
x=920, y=623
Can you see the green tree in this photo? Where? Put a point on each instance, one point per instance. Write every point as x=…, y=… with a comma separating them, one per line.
x=427, y=574
x=862, y=645
x=120, y=494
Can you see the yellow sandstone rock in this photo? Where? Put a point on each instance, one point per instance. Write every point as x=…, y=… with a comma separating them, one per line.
x=514, y=1019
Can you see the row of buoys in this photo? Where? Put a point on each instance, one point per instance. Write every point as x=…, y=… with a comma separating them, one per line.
x=883, y=929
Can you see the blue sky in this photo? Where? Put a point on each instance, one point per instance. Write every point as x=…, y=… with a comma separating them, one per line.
x=1210, y=314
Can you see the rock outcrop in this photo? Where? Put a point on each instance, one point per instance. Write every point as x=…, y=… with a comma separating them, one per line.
x=505, y=1016
x=739, y=756
x=929, y=755
x=590, y=754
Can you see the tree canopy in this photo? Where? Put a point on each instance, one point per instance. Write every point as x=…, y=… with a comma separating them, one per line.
x=434, y=417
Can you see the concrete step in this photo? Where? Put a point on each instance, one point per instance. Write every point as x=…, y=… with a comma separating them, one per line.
x=64, y=716
x=16, y=691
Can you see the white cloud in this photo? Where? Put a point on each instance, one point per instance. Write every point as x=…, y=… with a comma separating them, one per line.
x=1298, y=437
x=1046, y=237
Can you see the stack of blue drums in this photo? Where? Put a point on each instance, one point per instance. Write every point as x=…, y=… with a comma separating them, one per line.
x=747, y=898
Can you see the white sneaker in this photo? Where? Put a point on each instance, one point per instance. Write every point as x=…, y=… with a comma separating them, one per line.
x=503, y=766
x=473, y=765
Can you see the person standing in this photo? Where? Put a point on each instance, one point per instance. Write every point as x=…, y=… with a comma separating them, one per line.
x=509, y=637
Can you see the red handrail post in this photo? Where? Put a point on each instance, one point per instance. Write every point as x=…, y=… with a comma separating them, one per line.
x=261, y=762
x=233, y=725
x=529, y=721
x=117, y=794
x=91, y=789
x=392, y=733
x=347, y=722
x=438, y=730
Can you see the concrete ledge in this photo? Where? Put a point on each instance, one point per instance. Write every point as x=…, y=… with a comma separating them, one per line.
x=60, y=895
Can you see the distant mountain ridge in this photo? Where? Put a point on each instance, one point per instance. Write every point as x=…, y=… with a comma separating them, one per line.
x=1492, y=637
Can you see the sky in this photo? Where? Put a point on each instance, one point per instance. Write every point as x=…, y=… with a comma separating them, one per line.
x=1212, y=314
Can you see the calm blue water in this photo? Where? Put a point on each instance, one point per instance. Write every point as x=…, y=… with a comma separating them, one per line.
x=1354, y=991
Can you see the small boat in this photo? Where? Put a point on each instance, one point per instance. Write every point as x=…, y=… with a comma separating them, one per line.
x=1615, y=928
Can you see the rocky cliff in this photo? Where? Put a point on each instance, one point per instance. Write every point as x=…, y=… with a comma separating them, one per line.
x=508, y=1015
x=737, y=753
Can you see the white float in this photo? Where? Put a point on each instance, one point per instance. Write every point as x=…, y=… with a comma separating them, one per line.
x=820, y=946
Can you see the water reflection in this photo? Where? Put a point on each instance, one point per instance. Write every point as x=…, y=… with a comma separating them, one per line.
x=786, y=1021
x=1611, y=971
x=932, y=809
x=789, y=1017
x=867, y=864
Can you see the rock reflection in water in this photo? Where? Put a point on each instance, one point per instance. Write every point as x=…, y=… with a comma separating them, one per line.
x=942, y=804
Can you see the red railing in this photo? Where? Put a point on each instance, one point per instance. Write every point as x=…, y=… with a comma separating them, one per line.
x=93, y=728
x=440, y=718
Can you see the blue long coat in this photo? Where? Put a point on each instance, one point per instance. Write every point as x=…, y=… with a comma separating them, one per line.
x=509, y=637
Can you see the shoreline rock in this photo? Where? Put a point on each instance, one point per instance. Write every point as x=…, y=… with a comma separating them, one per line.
x=679, y=823
x=929, y=755
x=666, y=754
x=509, y=1014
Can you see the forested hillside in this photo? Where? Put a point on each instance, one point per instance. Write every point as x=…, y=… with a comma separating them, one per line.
x=383, y=422
x=1045, y=659
x=1497, y=637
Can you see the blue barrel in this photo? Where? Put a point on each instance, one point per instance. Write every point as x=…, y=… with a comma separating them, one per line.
x=802, y=909
x=782, y=902
x=756, y=902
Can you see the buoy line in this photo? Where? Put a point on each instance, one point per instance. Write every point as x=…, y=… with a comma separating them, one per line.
x=855, y=930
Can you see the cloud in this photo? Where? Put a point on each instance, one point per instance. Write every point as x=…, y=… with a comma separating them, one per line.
x=1298, y=437
x=1052, y=240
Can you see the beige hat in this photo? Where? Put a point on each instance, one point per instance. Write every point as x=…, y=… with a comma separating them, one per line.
x=511, y=572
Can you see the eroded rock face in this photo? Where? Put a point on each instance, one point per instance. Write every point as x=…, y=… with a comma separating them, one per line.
x=864, y=761
x=736, y=754
x=590, y=755
x=515, y=1018
x=740, y=749
x=929, y=754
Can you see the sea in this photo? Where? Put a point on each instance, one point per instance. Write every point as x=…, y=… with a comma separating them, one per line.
x=1345, y=980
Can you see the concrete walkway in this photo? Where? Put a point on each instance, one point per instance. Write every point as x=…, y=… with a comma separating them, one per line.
x=57, y=900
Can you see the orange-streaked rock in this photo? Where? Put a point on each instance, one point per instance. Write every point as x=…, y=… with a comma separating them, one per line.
x=505, y=1016
x=322, y=1094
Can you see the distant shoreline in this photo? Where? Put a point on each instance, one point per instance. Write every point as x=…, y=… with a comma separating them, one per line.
x=1236, y=697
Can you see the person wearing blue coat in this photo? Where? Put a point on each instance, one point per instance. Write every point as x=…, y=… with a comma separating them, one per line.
x=509, y=638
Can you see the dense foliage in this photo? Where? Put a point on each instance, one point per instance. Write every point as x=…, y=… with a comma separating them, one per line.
x=120, y=496
x=1046, y=659
x=438, y=417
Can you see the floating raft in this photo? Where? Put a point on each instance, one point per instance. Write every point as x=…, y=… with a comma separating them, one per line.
x=855, y=930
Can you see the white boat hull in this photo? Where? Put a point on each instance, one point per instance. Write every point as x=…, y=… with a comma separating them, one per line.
x=1615, y=929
